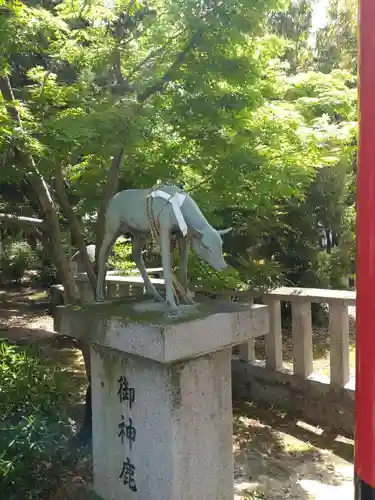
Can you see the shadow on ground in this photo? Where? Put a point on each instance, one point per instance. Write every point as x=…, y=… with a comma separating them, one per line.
x=57, y=351
x=278, y=456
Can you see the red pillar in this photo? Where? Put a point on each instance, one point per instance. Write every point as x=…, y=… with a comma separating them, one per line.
x=365, y=371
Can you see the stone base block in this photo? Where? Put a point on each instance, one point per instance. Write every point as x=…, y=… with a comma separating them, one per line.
x=161, y=395
x=162, y=432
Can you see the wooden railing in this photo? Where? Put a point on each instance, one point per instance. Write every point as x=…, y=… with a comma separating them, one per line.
x=302, y=334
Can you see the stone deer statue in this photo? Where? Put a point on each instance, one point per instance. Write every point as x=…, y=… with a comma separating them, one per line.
x=167, y=211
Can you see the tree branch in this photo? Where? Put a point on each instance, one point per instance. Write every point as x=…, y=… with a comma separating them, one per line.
x=109, y=190
x=77, y=230
x=152, y=54
x=8, y=96
x=117, y=66
x=9, y=220
x=140, y=33
x=169, y=74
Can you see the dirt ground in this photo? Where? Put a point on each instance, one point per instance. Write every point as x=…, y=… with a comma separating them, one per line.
x=277, y=455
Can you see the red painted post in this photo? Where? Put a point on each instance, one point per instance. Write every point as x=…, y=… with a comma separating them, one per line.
x=365, y=371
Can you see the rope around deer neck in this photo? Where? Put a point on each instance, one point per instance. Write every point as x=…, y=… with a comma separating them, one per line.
x=154, y=224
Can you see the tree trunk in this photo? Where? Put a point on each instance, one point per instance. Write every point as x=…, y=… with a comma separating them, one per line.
x=76, y=228
x=40, y=188
x=109, y=191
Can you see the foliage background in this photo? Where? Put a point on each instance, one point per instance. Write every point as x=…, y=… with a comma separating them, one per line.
x=256, y=122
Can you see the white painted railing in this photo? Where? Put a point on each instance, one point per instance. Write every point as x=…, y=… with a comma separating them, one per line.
x=300, y=298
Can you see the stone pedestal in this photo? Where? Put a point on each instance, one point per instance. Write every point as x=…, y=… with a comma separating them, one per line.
x=161, y=396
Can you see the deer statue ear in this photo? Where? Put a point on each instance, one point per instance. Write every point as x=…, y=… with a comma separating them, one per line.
x=224, y=231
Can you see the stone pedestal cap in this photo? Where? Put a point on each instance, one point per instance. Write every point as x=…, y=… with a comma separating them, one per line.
x=145, y=329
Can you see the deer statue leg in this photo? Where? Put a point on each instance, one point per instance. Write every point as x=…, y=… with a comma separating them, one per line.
x=165, y=248
x=137, y=245
x=108, y=241
x=184, y=250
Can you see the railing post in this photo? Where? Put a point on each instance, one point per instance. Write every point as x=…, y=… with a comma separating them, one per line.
x=302, y=338
x=226, y=296
x=247, y=350
x=88, y=294
x=85, y=291
x=123, y=290
x=339, y=340
x=273, y=341
x=111, y=290
x=81, y=290
x=138, y=290
x=73, y=267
